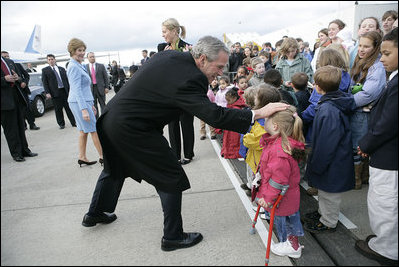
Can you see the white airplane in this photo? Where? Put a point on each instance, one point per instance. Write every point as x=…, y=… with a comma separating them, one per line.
x=33, y=54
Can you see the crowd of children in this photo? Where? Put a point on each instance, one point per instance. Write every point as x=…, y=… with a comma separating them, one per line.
x=325, y=137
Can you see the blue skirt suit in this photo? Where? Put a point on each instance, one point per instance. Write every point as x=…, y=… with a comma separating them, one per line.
x=80, y=96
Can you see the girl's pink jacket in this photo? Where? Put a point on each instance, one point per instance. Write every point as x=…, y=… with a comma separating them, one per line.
x=283, y=169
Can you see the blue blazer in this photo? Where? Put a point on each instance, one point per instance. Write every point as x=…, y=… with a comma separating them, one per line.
x=79, y=85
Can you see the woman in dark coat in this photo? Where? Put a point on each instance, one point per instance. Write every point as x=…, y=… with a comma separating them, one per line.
x=131, y=131
x=171, y=32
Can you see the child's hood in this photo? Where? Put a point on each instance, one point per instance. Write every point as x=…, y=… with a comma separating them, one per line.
x=343, y=101
x=240, y=103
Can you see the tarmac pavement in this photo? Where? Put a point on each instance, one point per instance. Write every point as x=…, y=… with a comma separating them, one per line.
x=43, y=201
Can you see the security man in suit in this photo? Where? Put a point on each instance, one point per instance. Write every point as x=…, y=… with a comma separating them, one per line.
x=99, y=81
x=24, y=75
x=13, y=105
x=131, y=131
x=56, y=86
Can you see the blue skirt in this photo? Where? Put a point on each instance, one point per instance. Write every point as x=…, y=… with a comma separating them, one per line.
x=82, y=125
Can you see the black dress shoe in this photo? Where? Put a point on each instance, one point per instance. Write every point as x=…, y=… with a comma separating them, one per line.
x=18, y=158
x=185, y=161
x=62, y=126
x=73, y=125
x=89, y=220
x=30, y=154
x=189, y=240
x=34, y=127
x=364, y=249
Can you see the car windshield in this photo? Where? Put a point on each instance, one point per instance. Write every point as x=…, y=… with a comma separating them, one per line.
x=35, y=80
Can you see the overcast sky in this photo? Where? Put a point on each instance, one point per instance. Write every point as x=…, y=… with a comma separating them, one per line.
x=109, y=25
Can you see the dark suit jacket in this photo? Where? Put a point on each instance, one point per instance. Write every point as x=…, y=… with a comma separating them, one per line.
x=7, y=92
x=381, y=140
x=50, y=81
x=24, y=78
x=101, y=78
x=182, y=44
x=144, y=60
x=131, y=127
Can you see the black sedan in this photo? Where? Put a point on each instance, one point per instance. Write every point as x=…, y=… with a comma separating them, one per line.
x=37, y=98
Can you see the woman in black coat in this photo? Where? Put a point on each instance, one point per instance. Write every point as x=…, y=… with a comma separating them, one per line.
x=171, y=33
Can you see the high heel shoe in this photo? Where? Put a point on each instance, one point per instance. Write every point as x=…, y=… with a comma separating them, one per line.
x=80, y=162
x=101, y=161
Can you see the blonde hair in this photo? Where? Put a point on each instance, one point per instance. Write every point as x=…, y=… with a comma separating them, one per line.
x=74, y=44
x=172, y=24
x=289, y=125
x=255, y=61
x=287, y=44
x=249, y=96
x=333, y=57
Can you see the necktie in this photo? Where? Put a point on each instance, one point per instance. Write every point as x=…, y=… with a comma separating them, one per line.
x=93, y=74
x=5, y=70
x=59, y=81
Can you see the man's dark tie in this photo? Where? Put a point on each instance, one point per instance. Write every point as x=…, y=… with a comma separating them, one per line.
x=59, y=81
x=5, y=70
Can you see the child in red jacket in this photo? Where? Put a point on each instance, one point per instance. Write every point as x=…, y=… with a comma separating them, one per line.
x=231, y=140
x=283, y=146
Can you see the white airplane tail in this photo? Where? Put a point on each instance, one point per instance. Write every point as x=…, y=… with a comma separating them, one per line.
x=35, y=41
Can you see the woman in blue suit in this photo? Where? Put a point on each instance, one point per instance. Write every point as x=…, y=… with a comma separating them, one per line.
x=81, y=100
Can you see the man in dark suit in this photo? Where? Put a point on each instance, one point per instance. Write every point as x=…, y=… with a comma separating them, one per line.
x=145, y=56
x=13, y=105
x=56, y=86
x=99, y=81
x=24, y=75
x=131, y=132
x=30, y=69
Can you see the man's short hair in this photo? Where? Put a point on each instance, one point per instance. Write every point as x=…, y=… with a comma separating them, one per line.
x=145, y=50
x=210, y=47
x=392, y=13
x=273, y=77
x=264, y=53
x=392, y=36
x=50, y=55
x=328, y=78
x=300, y=80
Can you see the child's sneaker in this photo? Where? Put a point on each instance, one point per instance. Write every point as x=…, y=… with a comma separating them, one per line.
x=261, y=211
x=311, y=216
x=285, y=249
x=265, y=216
x=317, y=227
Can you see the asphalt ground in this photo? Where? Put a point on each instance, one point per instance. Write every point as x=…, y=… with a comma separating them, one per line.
x=43, y=201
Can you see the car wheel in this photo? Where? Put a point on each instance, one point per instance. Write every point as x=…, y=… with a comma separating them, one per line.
x=38, y=106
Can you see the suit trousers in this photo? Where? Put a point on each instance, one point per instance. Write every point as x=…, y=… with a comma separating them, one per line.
x=98, y=98
x=108, y=189
x=382, y=203
x=187, y=127
x=61, y=102
x=28, y=113
x=14, y=129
